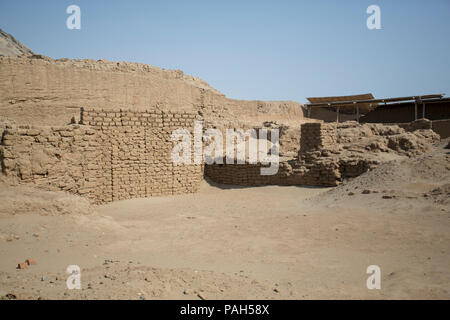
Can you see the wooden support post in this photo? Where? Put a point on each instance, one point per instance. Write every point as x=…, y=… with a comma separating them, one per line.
x=309, y=112
x=423, y=110
x=415, y=110
x=356, y=111
x=337, y=115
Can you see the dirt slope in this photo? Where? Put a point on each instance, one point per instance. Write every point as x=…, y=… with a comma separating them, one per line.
x=423, y=176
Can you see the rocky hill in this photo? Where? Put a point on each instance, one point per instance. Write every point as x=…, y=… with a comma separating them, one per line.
x=9, y=46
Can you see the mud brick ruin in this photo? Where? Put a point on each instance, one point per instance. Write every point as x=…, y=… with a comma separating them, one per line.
x=111, y=155
x=313, y=137
x=124, y=151
x=120, y=154
x=115, y=155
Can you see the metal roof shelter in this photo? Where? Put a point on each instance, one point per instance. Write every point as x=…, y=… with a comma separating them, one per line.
x=367, y=102
x=342, y=101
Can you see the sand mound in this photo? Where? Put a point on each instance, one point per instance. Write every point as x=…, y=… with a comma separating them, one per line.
x=27, y=199
x=426, y=175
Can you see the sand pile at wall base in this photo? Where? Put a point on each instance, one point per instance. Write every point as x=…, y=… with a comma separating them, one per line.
x=23, y=199
x=426, y=175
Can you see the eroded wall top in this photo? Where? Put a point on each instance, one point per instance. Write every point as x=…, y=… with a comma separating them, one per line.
x=39, y=90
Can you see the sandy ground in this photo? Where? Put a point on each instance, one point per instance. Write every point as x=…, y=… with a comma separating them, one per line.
x=245, y=243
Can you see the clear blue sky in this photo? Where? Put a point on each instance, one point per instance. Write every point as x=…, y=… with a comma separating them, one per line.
x=268, y=50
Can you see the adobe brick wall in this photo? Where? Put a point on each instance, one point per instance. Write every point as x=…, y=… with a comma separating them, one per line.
x=111, y=155
x=41, y=91
x=325, y=161
x=65, y=158
x=441, y=127
x=313, y=137
x=290, y=173
x=316, y=135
